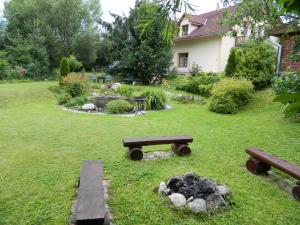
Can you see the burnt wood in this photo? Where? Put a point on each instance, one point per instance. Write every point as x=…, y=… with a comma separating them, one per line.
x=134, y=142
x=90, y=208
x=284, y=166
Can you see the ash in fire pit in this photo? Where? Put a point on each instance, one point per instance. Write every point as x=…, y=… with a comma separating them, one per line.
x=197, y=193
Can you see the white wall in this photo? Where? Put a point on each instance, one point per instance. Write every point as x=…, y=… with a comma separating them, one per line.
x=226, y=45
x=209, y=53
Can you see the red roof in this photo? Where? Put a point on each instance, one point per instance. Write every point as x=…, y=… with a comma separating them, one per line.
x=207, y=24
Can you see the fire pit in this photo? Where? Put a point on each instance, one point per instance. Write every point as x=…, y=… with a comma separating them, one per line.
x=197, y=193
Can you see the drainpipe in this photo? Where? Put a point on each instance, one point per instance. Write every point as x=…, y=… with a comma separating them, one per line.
x=279, y=53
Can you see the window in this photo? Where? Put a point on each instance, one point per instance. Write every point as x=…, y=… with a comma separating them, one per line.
x=183, y=59
x=185, y=30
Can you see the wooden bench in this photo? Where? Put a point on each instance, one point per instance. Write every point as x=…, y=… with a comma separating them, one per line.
x=261, y=162
x=90, y=207
x=179, y=145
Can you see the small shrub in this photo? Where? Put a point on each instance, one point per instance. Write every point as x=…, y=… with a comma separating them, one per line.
x=75, y=84
x=195, y=69
x=154, y=99
x=119, y=107
x=76, y=102
x=289, y=83
x=63, y=98
x=125, y=91
x=64, y=68
x=230, y=94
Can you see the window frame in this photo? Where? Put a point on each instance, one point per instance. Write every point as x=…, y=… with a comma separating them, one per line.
x=185, y=32
x=185, y=56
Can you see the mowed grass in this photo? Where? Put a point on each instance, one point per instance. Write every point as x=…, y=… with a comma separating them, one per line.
x=42, y=149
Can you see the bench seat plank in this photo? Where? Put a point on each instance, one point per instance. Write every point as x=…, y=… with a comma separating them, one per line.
x=132, y=142
x=90, y=200
x=290, y=169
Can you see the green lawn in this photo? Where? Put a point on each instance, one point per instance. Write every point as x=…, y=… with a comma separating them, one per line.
x=42, y=148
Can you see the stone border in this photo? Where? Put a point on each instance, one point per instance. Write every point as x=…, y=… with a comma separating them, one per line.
x=167, y=107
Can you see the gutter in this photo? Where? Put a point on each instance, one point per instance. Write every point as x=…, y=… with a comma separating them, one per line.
x=279, y=54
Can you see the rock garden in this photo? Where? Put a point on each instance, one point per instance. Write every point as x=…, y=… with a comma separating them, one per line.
x=196, y=193
x=77, y=94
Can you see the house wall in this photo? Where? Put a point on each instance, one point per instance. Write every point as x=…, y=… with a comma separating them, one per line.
x=286, y=62
x=226, y=45
x=209, y=53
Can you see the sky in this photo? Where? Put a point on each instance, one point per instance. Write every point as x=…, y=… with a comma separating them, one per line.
x=123, y=6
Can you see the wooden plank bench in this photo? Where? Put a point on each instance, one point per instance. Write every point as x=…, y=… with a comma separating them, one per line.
x=90, y=208
x=179, y=145
x=261, y=162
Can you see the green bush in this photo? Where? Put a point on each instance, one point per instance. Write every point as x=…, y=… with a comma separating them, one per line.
x=63, y=98
x=230, y=94
x=76, y=102
x=125, y=91
x=201, y=84
x=119, y=107
x=154, y=99
x=74, y=64
x=253, y=60
x=289, y=83
x=75, y=84
x=205, y=89
x=64, y=68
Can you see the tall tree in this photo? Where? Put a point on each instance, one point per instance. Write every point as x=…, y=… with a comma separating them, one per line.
x=147, y=54
x=60, y=22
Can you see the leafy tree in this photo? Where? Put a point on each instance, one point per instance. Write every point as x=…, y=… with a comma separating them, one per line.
x=85, y=48
x=59, y=23
x=255, y=17
x=147, y=55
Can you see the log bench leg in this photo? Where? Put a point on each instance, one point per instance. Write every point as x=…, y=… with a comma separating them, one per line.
x=255, y=166
x=135, y=153
x=296, y=192
x=181, y=149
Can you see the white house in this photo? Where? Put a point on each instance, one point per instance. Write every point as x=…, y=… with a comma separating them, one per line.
x=202, y=41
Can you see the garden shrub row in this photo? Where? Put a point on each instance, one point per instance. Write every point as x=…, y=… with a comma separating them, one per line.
x=201, y=84
x=229, y=95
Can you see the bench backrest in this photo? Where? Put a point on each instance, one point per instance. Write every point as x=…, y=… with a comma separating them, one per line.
x=289, y=168
x=132, y=142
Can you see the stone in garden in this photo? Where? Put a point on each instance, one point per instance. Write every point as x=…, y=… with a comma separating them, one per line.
x=208, y=186
x=167, y=191
x=222, y=190
x=115, y=86
x=89, y=106
x=177, y=199
x=215, y=201
x=162, y=187
x=190, y=199
x=198, y=205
